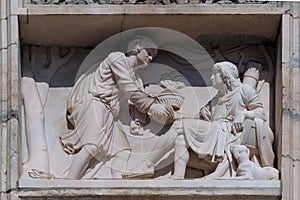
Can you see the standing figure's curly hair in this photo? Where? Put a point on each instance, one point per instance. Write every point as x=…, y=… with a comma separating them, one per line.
x=143, y=42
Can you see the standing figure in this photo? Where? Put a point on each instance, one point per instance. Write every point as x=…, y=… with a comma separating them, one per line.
x=93, y=108
x=221, y=124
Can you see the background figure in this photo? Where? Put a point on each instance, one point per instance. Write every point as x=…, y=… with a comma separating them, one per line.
x=93, y=108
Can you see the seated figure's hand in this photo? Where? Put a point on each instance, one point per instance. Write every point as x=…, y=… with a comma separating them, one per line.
x=161, y=112
x=238, y=122
x=205, y=113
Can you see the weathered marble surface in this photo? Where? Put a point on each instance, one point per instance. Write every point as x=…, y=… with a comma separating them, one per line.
x=9, y=98
x=289, y=153
x=149, y=77
x=290, y=161
x=164, y=2
x=149, y=189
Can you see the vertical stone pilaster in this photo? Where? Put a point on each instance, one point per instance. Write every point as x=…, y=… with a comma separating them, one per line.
x=278, y=100
x=4, y=98
x=10, y=99
x=290, y=168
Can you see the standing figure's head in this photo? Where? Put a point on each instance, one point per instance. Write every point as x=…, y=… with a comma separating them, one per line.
x=144, y=48
x=225, y=74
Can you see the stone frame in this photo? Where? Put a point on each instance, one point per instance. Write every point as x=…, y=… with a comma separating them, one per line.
x=287, y=120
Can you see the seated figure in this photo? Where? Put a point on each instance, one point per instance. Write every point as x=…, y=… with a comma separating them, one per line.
x=221, y=126
x=234, y=116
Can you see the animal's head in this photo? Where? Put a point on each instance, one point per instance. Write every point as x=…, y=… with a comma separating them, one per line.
x=238, y=150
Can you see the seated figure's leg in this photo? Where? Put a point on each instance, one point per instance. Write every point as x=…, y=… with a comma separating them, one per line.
x=163, y=146
x=81, y=161
x=145, y=169
x=182, y=157
x=119, y=164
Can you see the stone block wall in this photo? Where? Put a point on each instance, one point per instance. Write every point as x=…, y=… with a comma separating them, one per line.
x=290, y=124
x=10, y=99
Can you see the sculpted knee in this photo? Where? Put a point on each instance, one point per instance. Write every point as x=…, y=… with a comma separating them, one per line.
x=124, y=155
x=180, y=142
x=91, y=149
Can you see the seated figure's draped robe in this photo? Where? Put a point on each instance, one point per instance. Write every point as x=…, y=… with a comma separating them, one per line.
x=209, y=139
x=93, y=106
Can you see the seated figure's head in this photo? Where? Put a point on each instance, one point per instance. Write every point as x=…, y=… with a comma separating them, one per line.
x=225, y=73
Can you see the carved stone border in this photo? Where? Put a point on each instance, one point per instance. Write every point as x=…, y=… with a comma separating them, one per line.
x=149, y=189
x=290, y=129
x=153, y=2
x=10, y=99
x=288, y=121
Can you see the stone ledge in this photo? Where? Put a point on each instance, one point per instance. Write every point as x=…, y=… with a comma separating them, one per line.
x=153, y=9
x=187, y=189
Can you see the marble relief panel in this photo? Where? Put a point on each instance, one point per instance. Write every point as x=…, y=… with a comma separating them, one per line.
x=151, y=104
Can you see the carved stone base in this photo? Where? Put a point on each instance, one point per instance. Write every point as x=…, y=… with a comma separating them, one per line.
x=149, y=189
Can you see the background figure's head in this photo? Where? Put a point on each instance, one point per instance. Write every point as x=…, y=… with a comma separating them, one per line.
x=228, y=73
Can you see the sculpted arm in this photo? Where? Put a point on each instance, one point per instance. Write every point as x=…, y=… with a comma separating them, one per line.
x=254, y=104
x=122, y=71
x=254, y=108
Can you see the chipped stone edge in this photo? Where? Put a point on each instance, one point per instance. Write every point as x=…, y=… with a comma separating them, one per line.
x=35, y=188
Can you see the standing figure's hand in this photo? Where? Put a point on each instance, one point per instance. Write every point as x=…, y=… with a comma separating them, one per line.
x=161, y=112
x=205, y=113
